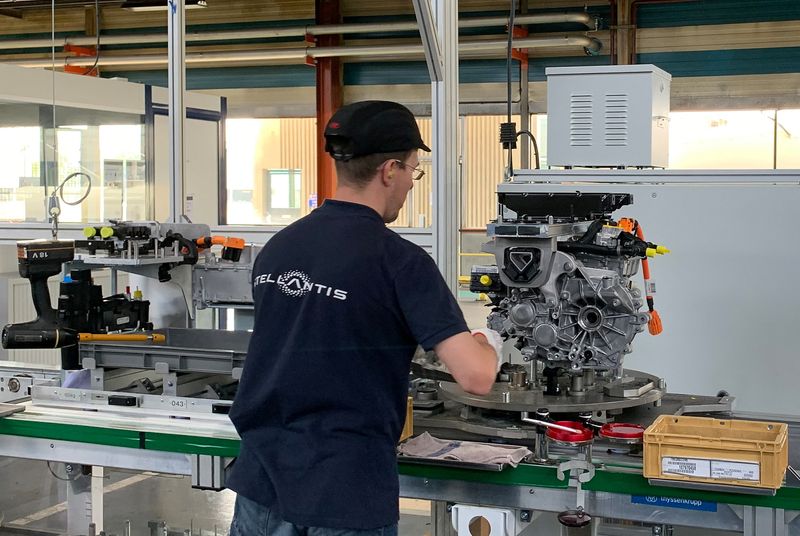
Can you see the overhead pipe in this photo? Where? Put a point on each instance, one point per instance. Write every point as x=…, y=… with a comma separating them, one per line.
x=590, y=43
x=297, y=31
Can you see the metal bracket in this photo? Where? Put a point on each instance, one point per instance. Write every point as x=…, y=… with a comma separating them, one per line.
x=208, y=472
x=502, y=521
x=170, y=379
x=97, y=380
x=586, y=470
x=581, y=471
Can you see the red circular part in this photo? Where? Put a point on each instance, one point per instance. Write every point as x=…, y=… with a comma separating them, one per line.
x=585, y=434
x=622, y=430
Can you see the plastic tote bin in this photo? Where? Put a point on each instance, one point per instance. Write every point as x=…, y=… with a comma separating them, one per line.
x=726, y=452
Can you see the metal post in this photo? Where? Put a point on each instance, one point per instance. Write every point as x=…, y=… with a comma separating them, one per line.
x=329, y=95
x=177, y=106
x=524, y=105
x=441, y=520
x=98, y=474
x=524, y=118
x=79, y=500
x=763, y=521
x=444, y=106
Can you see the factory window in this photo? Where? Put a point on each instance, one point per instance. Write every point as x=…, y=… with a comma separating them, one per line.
x=272, y=173
x=21, y=188
x=787, y=139
x=741, y=139
x=282, y=195
x=107, y=147
x=272, y=170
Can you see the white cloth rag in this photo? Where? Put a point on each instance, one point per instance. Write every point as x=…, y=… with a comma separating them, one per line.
x=427, y=446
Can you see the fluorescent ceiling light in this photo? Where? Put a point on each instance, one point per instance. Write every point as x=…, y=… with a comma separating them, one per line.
x=158, y=5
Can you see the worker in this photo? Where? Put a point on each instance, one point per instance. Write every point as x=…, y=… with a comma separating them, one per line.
x=341, y=303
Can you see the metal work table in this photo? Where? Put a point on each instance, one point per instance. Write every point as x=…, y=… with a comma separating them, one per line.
x=195, y=447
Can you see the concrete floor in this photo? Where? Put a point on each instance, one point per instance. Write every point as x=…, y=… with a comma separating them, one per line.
x=33, y=499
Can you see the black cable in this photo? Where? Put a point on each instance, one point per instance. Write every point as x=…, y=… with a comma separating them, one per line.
x=54, y=473
x=535, y=145
x=97, y=32
x=508, y=54
x=60, y=188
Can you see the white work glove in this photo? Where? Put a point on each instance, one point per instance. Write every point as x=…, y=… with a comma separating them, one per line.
x=495, y=340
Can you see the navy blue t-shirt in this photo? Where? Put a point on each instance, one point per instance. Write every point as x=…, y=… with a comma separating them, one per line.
x=341, y=303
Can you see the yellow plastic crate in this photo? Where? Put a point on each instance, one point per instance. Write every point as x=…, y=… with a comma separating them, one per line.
x=717, y=451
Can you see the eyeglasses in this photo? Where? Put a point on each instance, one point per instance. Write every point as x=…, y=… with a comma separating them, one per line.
x=417, y=173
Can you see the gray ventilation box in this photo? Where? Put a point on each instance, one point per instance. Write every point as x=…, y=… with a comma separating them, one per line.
x=608, y=116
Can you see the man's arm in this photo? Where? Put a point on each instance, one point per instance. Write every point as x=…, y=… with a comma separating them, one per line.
x=471, y=360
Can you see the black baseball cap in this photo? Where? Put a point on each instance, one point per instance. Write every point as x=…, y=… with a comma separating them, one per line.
x=370, y=127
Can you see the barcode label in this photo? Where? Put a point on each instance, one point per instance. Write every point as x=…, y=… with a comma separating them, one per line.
x=716, y=469
x=686, y=466
x=650, y=287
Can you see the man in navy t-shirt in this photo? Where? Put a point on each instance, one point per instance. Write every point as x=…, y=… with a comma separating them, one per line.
x=341, y=303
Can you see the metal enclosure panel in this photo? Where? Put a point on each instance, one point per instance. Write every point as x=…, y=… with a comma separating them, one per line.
x=608, y=116
x=727, y=293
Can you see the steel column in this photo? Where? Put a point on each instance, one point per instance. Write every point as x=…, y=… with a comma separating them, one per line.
x=444, y=111
x=524, y=104
x=177, y=106
x=79, y=500
x=329, y=95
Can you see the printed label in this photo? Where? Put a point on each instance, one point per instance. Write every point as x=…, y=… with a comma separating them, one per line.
x=717, y=469
x=123, y=320
x=735, y=470
x=674, y=502
x=686, y=466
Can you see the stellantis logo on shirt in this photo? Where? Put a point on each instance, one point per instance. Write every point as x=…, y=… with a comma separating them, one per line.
x=297, y=284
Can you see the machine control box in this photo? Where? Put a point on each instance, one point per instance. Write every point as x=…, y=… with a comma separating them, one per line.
x=608, y=116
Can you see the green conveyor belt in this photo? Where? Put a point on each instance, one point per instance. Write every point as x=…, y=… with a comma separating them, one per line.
x=524, y=475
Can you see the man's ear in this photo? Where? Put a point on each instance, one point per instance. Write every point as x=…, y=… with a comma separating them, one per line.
x=387, y=174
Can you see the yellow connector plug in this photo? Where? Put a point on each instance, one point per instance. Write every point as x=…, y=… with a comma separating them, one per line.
x=650, y=252
x=485, y=280
x=661, y=250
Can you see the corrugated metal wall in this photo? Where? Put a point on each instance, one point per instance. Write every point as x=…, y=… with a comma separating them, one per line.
x=299, y=151
x=482, y=168
x=417, y=212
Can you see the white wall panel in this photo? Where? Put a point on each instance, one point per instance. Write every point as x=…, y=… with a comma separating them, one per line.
x=726, y=293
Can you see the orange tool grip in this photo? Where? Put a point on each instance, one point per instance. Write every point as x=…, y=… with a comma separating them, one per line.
x=122, y=337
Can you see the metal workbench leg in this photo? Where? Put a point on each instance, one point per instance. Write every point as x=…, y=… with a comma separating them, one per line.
x=441, y=523
x=97, y=478
x=79, y=500
x=760, y=521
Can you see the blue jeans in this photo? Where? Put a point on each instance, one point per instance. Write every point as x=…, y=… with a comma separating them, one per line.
x=253, y=519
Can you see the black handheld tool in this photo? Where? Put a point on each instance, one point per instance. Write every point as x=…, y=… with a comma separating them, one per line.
x=39, y=260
